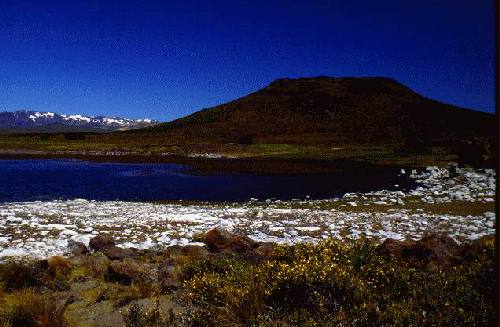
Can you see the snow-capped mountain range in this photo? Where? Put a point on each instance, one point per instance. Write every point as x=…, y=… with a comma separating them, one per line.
x=36, y=121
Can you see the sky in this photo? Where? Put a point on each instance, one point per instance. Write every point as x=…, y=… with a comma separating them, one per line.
x=166, y=59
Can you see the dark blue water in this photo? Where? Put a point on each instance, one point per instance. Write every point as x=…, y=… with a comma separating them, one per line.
x=31, y=180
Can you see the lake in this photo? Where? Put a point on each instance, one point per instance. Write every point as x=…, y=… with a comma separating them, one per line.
x=44, y=180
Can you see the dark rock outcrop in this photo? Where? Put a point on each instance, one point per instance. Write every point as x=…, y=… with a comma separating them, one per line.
x=222, y=241
x=192, y=251
x=77, y=248
x=129, y=270
x=107, y=245
x=101, y=243
x=431, y=250
x=117, y=253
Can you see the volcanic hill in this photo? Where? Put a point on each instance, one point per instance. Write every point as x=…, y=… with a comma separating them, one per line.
x=326, y=110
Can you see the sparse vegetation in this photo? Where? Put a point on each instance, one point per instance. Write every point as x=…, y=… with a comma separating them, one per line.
x=136, y=316
x=20, y=274
x=235, y=282
x=341, y=284
x=27, y=308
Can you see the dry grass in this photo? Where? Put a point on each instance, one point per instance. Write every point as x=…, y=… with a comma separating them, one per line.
x=19, y=274
x=26, y=308
x=58, y=265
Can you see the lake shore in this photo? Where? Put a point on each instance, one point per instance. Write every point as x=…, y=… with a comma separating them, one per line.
x=207, y=165
x=459, y=204
x=85, y=263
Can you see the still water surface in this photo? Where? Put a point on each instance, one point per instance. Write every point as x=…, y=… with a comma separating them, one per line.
x=32, y=180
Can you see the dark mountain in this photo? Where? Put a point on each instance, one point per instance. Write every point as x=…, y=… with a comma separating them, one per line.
x=49, y=122
x=325, y=110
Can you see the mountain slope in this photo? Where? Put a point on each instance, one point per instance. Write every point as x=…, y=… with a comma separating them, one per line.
x=46, y=122
x=325, y=110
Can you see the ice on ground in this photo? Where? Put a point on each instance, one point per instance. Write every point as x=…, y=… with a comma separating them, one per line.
x=40, y=229
x=144, y=225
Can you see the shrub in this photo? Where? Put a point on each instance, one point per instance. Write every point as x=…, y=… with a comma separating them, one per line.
x=19, y=274
x=96, y=264
x=79, y=274
x=58, y=265
x=26, y=308
x=136, y=316
x=340, y=284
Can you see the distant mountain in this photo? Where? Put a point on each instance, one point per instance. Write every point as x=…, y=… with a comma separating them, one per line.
x=326, y=110
x=45, y=122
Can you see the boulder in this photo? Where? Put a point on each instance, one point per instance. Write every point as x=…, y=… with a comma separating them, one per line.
x=432, y=248
x=77, y=248
x=167, y=279
x=101, y=242
x=192, y=251
x=172, y=257
x=222, y=241
x=439, y=246
x=129, y=270
x=117, y=253
x=266, y=249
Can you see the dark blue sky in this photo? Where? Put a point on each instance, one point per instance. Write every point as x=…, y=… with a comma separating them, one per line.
x=165, y=59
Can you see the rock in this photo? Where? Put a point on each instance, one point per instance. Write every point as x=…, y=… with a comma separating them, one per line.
x=191, y=251
x=77, y=248
x=167, y=278
x=391, y=247
x=62, y=299
x=440, y=246
x=172, y=257
x=432, y=248
x=129, y=270
x=117, y=253
x=94, y=314
x=222, y=241
x=453, y=169
x=265, y=250
x=120, y=273
x=101, y=242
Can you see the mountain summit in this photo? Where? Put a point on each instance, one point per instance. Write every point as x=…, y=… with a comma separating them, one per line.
x=35, y=121
x=327, y=110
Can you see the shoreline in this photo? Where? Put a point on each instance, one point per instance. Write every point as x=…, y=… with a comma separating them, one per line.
x=258, y=165
x=460, y=205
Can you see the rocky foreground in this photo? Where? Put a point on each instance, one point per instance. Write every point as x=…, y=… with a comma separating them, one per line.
x=234, y=281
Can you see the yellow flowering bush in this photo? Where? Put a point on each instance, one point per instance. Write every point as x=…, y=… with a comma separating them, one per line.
x=338, y=283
